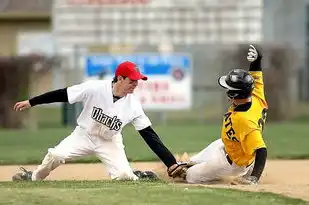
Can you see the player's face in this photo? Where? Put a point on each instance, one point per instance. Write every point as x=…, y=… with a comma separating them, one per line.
x=232, y=101
x=129, y=85
x=230, y=96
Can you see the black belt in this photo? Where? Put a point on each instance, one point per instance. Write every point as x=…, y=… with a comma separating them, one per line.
x=231, y=162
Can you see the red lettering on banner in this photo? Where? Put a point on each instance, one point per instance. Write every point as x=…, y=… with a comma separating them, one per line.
x=165, y=86
x=155, y=86
x=143, y=100
x=104, y=2
x=167, y=99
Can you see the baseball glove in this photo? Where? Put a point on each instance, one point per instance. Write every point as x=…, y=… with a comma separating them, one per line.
x=178, y=170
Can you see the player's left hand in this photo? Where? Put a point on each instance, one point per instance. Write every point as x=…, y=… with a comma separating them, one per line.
x=250, y=180
x=253, y=54
x=23, y=105
x=178, y=170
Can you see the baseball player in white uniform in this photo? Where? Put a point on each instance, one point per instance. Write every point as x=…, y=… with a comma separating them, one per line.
x=108, y=105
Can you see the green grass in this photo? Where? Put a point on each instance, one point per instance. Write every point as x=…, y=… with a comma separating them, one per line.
x=284, y=140
x=133, y=193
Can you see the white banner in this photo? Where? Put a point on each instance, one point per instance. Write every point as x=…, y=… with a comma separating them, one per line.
x=164, y=92
x=169, y=81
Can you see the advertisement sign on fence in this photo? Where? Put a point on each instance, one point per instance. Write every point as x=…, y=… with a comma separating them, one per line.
x=169, y=77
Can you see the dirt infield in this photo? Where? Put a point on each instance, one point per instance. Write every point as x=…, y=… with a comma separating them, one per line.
x=288, y=177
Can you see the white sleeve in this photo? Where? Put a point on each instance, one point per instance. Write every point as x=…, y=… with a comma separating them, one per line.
x=79, y=92
x=141, y=121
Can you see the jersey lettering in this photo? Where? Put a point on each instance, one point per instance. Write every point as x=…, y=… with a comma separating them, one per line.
x=229, y=122
x=230, y=133
x=227, y=116
x=113, y=123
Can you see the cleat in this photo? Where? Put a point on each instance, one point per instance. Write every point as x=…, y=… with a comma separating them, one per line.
x=146, y=175
x=24, y=176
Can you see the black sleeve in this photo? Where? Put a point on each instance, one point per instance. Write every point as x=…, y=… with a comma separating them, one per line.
x=60, y=95
x=256, y=65
x=260, y=160
x=156, y=145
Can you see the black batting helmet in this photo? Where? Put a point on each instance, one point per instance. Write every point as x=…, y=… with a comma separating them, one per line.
x=238, y=82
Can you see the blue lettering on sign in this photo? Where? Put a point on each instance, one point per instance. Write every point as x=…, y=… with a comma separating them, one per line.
x=149, y=64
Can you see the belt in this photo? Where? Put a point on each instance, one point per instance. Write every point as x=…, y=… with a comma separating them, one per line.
x=231, y=162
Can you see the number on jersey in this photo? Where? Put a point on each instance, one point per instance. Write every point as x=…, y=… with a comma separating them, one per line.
x=262, y=120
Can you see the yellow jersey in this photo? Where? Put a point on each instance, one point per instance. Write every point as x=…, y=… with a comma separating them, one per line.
x=243, y=125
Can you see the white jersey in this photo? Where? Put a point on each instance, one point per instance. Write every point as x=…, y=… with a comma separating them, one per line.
x=101, y=116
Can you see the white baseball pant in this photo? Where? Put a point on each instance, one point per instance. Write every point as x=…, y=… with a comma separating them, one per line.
x=212, y=165
x=78, y=144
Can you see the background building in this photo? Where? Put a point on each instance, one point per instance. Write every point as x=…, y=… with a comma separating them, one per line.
x=211, y=32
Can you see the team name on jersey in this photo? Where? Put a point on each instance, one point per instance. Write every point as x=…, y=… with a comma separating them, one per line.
x=230, y=132
x=113, y=123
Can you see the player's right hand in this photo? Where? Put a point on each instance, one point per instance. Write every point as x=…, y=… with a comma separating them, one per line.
x=23, y=105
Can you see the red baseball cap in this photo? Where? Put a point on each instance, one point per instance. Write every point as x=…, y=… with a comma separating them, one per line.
x=130, y=70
